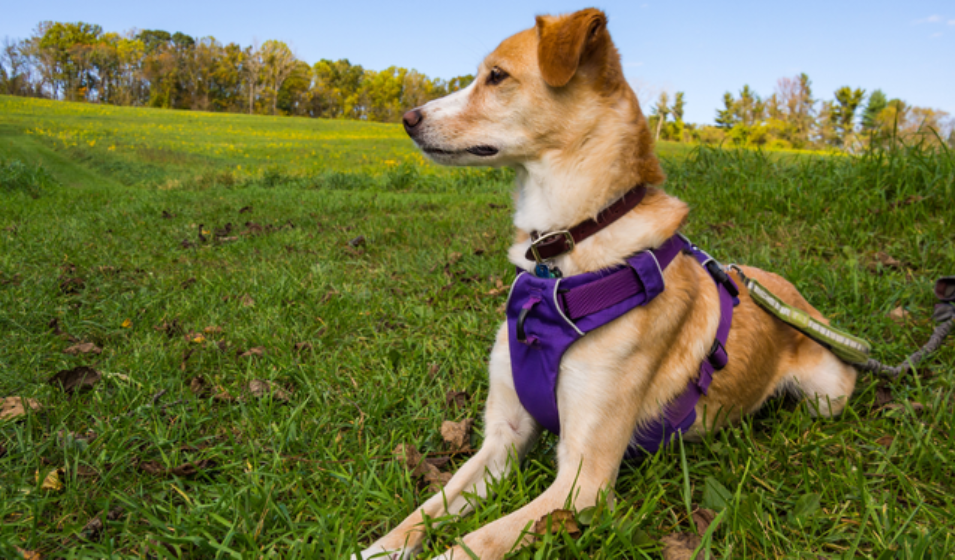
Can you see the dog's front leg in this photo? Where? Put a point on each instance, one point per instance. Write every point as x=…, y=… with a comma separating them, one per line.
x=509, y=431
x=597, y=414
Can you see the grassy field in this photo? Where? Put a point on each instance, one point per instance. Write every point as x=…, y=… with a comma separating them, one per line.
x=198, y=252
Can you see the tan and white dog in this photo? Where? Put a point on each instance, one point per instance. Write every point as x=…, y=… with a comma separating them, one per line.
x=552, y=103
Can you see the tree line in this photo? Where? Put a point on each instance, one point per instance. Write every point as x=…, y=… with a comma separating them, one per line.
x=155, y=68
x=793, y=118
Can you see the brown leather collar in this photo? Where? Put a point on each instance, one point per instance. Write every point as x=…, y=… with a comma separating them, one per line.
x=555, y=243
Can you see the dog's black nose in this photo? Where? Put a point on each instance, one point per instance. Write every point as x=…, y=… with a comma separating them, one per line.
x=412, y=119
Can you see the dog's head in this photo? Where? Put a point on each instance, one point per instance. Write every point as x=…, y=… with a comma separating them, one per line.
x=545, y=90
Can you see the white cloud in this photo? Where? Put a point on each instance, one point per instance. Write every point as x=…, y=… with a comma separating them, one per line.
x=934, y=18
x=951, y=22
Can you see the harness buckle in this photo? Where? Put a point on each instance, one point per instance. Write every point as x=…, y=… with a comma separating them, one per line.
x=548, y=238
x=717, y=356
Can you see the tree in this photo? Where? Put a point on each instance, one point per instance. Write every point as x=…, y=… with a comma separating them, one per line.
x=65, y=45
x=661, y=110
x=877, y=102
x=726, y=117
x=252, y=69
x=278, y=62
x=678, y=104
x=336, y=88
x=843, y=111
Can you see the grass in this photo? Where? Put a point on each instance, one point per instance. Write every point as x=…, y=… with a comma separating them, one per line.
x=397, y=322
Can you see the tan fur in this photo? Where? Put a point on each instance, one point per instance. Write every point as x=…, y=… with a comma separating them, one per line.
x=568, y=123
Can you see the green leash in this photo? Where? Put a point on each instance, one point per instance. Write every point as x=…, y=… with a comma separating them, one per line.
x=848, y=348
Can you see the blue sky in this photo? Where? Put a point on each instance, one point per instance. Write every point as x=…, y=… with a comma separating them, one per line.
x=702, y=48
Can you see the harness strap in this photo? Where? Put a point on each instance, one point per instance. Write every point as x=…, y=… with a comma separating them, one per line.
x=645, y=274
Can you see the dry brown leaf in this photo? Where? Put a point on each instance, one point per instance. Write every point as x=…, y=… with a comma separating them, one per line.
x=28, y=554
x=256, y=351
x=260, y=389
x=80, y=378
x=14, y=407
x=358, y=241
x=702, y=518
x=557, y=521
x=247, y=300
x=94, y=528
x=916, y=406
x=457, y=434
x=193, y=468
x=885, y=441
x=899, y=315
x=887, y=261
x=435, y=478
x=457, y=399
x=84, y=348
x=51, y=481
x=454, y=257
x=212, y=329
x=883, y=395
x=151, y=467
x=433, y=369
x=680, y=546
x=301, y=346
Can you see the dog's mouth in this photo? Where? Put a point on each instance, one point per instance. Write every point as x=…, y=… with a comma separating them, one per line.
x=480, y=151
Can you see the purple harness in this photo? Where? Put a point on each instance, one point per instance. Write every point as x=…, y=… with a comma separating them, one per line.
x=546, y=315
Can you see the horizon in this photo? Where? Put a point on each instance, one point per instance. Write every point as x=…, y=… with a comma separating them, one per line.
x=899, y=49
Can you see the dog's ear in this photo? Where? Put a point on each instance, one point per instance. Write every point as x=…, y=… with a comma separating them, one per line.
x=565, y=43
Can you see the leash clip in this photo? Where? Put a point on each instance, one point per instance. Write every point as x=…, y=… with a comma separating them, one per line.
x=549, y=238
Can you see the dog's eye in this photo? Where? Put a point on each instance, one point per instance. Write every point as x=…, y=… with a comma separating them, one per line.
x=496, y=76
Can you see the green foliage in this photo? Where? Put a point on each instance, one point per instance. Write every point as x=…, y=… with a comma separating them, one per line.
x=314, y=478
x=17, y=176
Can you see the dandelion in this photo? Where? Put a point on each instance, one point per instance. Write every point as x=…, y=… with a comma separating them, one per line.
x=127, y=323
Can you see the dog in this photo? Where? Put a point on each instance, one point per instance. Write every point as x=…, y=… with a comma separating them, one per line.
x=552, y=103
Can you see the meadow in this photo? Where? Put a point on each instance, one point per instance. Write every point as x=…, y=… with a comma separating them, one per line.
x=273, y=305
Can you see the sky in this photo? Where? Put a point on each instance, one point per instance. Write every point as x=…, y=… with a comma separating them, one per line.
x=905, y=48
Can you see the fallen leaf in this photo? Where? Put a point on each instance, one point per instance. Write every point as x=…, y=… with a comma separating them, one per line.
x=916, y=406
x=80, y=378
x=247, y=300
x=702, y=518
x=457, y=434
x=71, y=285
x=454, y=257
x=899, y=315
x=187, y=283
x=260, y=389
x=14, y=407
x=557, y=521
x=171, y=329
x=151, y=467
x=479, y=251
x=94, y=528
x=883, y=395
x=128, y=323
x=212, y=330
x=887, y=261
x=84, y=348
x=358, y=241
x=433, y=369
x=245, y=209
x=436, y=479
x=680, y=546
x=54, y=325
x=194, y=337
x=166, y=215
x=256, y=351
x=28, y=554
x=412, y=458
x=458, y=399
x=192, y=468
x=51, y=481
x=885, y=441
x=300, y=346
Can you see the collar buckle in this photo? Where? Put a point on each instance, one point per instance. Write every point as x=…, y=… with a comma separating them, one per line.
x=551, y=237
